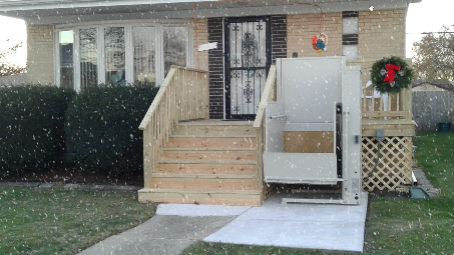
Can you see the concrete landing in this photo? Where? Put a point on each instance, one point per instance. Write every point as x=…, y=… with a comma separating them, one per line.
x=310, y=226
x=163, y=235
x=193, y=210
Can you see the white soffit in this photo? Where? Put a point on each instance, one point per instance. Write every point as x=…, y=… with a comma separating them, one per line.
x=66, y=11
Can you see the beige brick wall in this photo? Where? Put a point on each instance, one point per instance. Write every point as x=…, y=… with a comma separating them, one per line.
x=301, y=28
x=40, y=54
x=381, y=34
x=200, y=37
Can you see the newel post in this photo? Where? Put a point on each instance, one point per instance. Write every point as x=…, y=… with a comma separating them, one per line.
x=147, y=156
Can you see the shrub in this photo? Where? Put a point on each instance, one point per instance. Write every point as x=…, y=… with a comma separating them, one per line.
x=32, y=121
x=102, y=127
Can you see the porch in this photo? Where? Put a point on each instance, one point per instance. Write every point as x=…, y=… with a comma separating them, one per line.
x=190, y=158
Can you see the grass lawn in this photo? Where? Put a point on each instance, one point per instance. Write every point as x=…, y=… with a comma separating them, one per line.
x=395, y=225
x=64, y=222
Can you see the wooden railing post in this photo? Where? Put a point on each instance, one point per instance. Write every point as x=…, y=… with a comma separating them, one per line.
x=268, y=95
x=148, y=164
x=407, y=99
x=206, y=93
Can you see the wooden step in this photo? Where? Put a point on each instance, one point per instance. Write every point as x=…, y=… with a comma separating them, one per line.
x=213, y=136
x=204, y=176
x=205, y=169
x=209, y=149
x=216, y=197
x=217, y=123
x=203, y=184
x=209, y=155
x=211, y=142
x=208, y=162
x=214, y=130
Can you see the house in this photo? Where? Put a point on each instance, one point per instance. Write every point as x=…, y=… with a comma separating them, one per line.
x=427, y=87
x=228, y=49
x=440, y=85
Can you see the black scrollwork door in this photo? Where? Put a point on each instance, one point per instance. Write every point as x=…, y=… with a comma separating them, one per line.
x=248, y=58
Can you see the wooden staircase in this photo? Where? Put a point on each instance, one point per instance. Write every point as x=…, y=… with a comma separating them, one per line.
x=207, y=162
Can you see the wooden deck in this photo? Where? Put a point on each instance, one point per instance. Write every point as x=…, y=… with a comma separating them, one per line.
x=394, y=116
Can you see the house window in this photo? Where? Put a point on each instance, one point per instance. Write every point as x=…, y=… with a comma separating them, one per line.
x=144, y=43
x=114, y=52
x=66, y=52
x=175, y=40
x=122, y=55
x=88, y=57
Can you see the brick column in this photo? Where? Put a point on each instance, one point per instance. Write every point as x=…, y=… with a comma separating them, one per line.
x=40, y=54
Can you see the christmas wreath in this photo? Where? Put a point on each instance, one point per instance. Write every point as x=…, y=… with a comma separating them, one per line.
x=391, y=75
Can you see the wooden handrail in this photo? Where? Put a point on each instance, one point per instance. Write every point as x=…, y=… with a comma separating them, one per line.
x=157, y=99
x=268, y=95
x=182, y=96
x=162, y=90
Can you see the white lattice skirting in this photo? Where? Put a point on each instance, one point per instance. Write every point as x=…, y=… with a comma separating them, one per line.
x=395, y=166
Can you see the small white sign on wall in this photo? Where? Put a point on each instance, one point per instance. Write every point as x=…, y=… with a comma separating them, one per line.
x=208, y=46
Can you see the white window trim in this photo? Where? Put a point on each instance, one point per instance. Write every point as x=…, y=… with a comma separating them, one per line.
x=129, y=48
x=129, y=58
x=56, y=49
x=101, y=55
x=76, y=57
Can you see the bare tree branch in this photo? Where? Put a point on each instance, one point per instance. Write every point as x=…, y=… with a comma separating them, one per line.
x=434, y=57
x=7, y=68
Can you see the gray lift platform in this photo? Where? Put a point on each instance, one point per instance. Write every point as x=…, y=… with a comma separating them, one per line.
x=316, y=95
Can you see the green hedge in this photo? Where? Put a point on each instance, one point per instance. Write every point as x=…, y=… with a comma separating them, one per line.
x=32, y=126
x=102, y=127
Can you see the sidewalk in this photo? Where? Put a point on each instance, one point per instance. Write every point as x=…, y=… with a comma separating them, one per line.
x=177, y=226
x=162, y=234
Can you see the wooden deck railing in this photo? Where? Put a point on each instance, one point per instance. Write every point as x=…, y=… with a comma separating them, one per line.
x=182, y=96
x=269, y=94
x=396, y=108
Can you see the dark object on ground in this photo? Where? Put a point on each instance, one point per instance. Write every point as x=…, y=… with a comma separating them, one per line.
x=418, y=192
x=444, y=127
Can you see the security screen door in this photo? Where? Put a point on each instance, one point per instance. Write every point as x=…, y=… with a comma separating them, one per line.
x=248, y=58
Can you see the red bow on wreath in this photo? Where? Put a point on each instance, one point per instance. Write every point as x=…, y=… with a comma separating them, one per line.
x=391, y=72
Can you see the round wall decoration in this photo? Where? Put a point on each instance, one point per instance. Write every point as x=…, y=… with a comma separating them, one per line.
x=391, y=75
x=320, y=42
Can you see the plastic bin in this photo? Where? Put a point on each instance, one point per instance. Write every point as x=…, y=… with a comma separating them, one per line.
x=444, y=127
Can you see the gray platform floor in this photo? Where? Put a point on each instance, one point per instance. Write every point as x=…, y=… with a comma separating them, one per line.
x=310, y=226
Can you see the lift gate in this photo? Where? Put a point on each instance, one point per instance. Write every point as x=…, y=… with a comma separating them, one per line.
x=316, y=97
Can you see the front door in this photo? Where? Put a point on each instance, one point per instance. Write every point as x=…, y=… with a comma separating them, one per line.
x=247, y=61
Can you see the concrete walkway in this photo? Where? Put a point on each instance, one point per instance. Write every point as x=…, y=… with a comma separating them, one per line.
x=177, y=226
x=309, y=226
x=161, y=235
